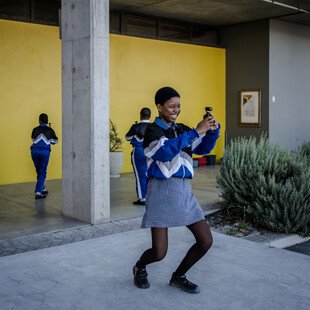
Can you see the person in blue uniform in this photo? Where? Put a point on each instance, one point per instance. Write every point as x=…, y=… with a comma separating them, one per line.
x=168, y=147
x=42, y=136
x=135, y=136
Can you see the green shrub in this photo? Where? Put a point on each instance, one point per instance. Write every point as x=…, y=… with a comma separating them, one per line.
x=305, y=150
x=270, y=183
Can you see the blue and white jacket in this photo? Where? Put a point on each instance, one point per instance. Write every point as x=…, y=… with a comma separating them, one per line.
x=169, y=150
x=43, y=136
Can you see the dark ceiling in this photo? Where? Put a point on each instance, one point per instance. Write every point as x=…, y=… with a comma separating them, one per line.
x=209, y=12
x=219, y=12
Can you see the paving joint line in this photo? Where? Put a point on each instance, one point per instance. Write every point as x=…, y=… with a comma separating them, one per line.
x=86, y=232
x=75, y=234
x=61, y=237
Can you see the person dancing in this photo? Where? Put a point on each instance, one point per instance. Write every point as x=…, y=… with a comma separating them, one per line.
x=168, y=147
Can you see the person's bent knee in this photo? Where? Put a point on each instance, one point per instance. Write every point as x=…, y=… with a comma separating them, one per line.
x=210, y=242
x=206, y=244
x=159, y=255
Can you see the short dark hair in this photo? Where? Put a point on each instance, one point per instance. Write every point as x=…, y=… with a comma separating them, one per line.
x=43, y=118
x=145, y=113
x=164, y=94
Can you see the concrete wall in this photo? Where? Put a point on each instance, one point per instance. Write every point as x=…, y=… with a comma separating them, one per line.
x=247, y=65
x=289, y=108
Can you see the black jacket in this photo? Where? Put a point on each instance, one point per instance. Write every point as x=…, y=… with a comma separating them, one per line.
x=43, y=136
x=136, y=133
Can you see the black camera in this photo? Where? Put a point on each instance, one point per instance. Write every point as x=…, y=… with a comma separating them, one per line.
x=208, y=110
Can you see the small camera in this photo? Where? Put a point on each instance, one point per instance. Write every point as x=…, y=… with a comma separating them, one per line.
x=208, y=110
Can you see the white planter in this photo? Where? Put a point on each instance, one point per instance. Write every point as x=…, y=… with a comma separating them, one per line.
x=116, y=164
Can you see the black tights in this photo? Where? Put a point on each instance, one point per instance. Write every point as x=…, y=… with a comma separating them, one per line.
x=202, y=234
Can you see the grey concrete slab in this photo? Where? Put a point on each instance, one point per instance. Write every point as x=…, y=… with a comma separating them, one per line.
x=17, y=219
x=22, y=215
x=50, y=239
x=303, y=248
x=97, y=274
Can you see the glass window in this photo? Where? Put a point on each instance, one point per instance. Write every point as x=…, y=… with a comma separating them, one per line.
x=203, y=35
x=139, y=25
x=115, y=22
x=170, y=30
x=46, y=11
x=15, y=8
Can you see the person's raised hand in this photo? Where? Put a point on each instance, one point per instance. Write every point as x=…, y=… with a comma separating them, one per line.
x=207, y=124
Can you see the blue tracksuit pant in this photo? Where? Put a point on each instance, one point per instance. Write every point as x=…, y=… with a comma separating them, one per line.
x=40, y=159
x=138, y=161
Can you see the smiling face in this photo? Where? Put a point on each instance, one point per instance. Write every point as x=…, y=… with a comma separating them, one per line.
x=170, y=110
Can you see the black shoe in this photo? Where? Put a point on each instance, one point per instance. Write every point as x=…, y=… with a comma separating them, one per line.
x=139, y=202
x=185, y=285
x=140, y=277
x=44, y=192
x=40, y=196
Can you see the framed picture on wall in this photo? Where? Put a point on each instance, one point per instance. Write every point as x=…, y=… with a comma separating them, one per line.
x=250, y=108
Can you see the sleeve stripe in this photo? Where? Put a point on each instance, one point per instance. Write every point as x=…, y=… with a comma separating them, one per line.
x=138, y=139
x=196, y=142
x=128, y=138
x=154, y=147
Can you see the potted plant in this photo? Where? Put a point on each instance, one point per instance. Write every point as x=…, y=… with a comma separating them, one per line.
x=211, y=159
x=116, y=153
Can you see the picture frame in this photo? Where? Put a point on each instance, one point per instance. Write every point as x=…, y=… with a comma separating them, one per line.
x=250, y=108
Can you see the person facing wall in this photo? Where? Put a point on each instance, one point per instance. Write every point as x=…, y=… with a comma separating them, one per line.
x=135, y=136
x=42, y=136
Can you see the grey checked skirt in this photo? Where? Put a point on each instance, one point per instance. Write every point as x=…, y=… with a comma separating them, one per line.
x=170, y=203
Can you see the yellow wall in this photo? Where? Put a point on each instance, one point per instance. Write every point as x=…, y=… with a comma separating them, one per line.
x=30, y=84
x=139, y=67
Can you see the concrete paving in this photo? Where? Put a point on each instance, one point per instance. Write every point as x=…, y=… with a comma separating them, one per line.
x=97, y=274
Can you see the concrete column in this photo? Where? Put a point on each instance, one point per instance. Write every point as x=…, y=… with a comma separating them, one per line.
x=85, y=110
